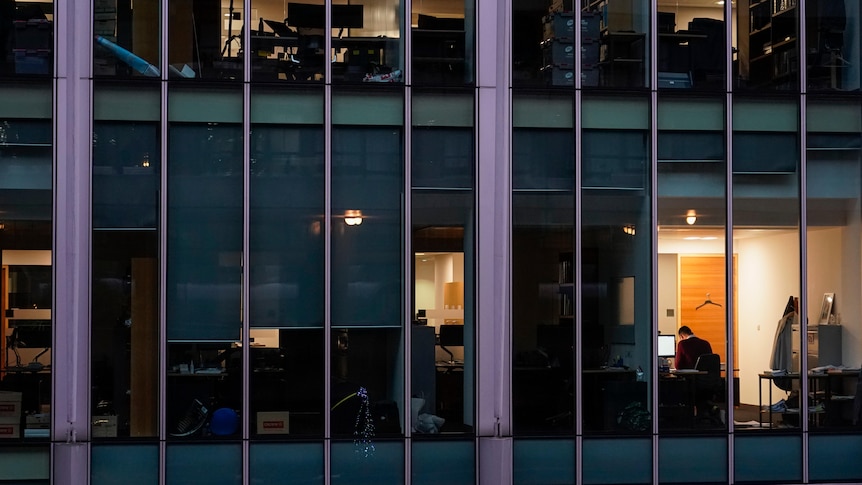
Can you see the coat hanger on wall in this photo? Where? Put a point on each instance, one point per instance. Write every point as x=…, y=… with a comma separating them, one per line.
x=707, y=302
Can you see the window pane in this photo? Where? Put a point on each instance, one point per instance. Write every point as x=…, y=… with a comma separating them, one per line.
x=132, y=464
x=26, y=276
x=27, y=39
x=834, y=179
x=450, y=462
x=676, y=455
x=691, y=267
x=126, y=39
x=766, y=237
x=126, y=174
x=290, y=464
x=442, y=200
x=367, y=43
x=204, y=464
x=543, y=462
x=616, y=273
x=384, y=467
x=443, y=42
x=831, y=52
x=751, y=452
x=768, y=41
x=691, y=45
x=367, y=190
x=201, y=43
x=204, y=231
x=543, y=171
x=601, y=458
x=286, y=220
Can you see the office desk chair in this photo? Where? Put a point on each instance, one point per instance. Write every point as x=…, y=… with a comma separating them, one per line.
x=709, y=389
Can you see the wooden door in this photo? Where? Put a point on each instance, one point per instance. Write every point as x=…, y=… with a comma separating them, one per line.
x=699, y=276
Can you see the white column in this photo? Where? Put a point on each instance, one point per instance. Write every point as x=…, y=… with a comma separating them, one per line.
x=493, y=256
x=70, y=420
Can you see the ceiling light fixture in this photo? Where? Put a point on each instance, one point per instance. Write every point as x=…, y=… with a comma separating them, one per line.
x=690, y=217
x=353, y=217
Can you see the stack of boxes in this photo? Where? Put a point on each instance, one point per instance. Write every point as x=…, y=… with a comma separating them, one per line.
x=558, y=48
x=10, y=414
x=32, y=45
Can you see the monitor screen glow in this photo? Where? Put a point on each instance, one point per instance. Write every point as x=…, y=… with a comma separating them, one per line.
x=666, y=345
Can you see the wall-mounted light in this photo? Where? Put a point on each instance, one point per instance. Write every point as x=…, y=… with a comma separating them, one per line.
x=629, y=229
x=353, y=217
x=690, y=217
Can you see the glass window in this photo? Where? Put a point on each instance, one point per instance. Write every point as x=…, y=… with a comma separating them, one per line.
x=367, y=259
x=26, y=38
x=26, y=277
x=443, y=42
x=367, y=43
x=691, y=45
x=766, y=246
x=126, y=38
x=613, y=36
x=443, y=364
x=202, y=42
x=832, y=48
x=543, y=287
x=691, y=265
x=204, y=251
x=768, y=49
x=616, y=267
x=125, y=274
x=286, y=307
x=834, y=162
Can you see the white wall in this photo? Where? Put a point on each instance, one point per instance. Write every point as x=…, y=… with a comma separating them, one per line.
x=768, y=275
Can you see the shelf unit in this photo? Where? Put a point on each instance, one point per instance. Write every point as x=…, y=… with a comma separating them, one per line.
x=566, y=288
x=773, y=55
x=621, y=47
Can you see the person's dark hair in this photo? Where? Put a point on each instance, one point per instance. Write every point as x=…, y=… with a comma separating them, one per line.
x=685, y=331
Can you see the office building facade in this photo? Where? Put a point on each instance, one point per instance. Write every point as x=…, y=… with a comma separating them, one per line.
x=430, y=242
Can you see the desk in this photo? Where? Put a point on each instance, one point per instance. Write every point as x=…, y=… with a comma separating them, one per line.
x=678, y=396
x=825, y=397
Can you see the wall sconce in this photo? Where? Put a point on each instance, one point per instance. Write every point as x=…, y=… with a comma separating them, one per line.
x=629, y=229
x=353, y=217
x=690, y=217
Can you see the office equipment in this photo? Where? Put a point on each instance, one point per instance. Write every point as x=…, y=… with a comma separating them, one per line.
x=666, y=345
x=310, y=16
x=450, y=336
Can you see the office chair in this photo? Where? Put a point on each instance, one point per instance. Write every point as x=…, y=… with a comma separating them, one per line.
x=709, y=389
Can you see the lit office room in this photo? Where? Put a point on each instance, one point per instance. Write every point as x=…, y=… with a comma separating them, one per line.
x=764, y=299
x=287, y=40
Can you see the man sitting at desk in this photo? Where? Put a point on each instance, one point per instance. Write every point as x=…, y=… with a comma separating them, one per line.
x=689, y=349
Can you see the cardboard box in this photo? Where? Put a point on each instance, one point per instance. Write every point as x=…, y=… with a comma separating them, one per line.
x=9, y=430
x=38, y=421
x=10, y=407
x=104, y=427
x=273, y=422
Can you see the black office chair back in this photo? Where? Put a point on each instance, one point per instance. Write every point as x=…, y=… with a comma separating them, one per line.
x=711, y=363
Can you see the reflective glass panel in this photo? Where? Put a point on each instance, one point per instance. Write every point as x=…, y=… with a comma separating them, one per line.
x=443, y=41
x=26, y=276
x=443, y=238
x=834, y=162
x=691, y=44
x=691, y=265
x=767, y=56
x=543, y=202
x=832, y=45
x=766, y=245
x=27, y=39
x=126, y=37
x=616, y=267
x=367, y=43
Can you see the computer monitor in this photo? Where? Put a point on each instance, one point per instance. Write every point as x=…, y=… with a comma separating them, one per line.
x=451, y=335
x=666, y=345
x=305, y=15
